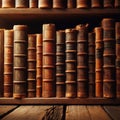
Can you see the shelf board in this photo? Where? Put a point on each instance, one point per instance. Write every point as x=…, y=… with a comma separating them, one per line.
x=59, y=101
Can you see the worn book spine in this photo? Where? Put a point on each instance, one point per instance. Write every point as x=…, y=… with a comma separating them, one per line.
x=20, y=61
x=98, y=61
x=1, y=61
x=44, y=3
x=31, y=60
x=21, y=3
x=82, y=58
x=117, y=4
x=96, y=3
x=39, y=65
x=82, y=3
x=59, y=4
x=8, y=3
x=108, y=3
x=109, y=87
x=60, y=63
x=33, y=3
x=71, y=60
x=71, y=3
x=49, y=35
x=8, y=63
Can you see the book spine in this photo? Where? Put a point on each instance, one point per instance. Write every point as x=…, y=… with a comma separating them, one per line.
x=108, y=3
x=1, y=61
x=60, y=63
x=39, y=65
x=82, y=64
x=98, y=61
x=109, y=82
x=20, y=61
x=8, y=3
x=8, y=63
x=59, y=4
x=117, y=4
x=71, y=3
x=33, y=3
x=31, y=60
x=21, y=3
x=96, y=3
x=44, y=3
x=91, y=63
x=71, y=59
x=48, y=87
x=82, y=4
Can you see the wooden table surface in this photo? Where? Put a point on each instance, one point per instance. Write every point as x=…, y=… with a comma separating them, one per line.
x=61, y=112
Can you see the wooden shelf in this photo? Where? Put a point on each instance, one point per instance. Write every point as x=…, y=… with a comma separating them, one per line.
x=59, y=101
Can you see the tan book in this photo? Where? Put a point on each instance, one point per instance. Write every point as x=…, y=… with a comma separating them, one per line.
x=71, y=3
x=21, y=3
x=44, y=3
x=59, y=4
x=82, y=3
x=96, y=3
x=8, y=3
x=33, y=3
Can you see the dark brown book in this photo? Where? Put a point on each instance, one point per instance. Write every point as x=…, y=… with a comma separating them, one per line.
x=20, y=61
x=39, y=65
x=8, y=63
x=31, y=60
x=117, y=4
x=21, y=3
x=8, y=3
x=1, y=61
x=44, y=3
x=98, y=61
x=108, y=3
x=71, y=3
x=49, y=35
x=60, y=63
x=82, y=3
x=71, y=60
x=82, y=58
x=59, y=4
x=33, y=3
x=96, y=3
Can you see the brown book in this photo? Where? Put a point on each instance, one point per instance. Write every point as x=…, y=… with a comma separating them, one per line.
x=96, y=3
x=8, y=63
x=45, y=3
x=60, y=63
x=71, y=60
x=71, y=3
x=82, y=58
x=8, y=3
x=82, y=3
x=108, y=3
x=109, y=88
x=21, y=3
x=48, y=86
x=98, y=61
x=33, y=3
x=20, y=61
x=1, y=61
x=59, y=3
x=117, y=4
x=31, y=60
x=39, y=65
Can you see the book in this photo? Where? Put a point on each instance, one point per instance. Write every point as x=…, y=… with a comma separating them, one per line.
x=39, y=65
x=44, y=4
x=82, y=58
x=33, y=3
x=60, y=63
x=59, y=4
x=8, y=3
x=1, y=61
x=71, y=61
x=98, y=61
x=21, y=3
x=8, y=63
x=117, y=4
x=108, y=3
x=20, y=61
x=82, y=3
x=96, y=3
x=31, y=60
x=71, y=3
x=48, y=84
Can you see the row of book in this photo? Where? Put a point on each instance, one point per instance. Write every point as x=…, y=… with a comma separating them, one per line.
x=68, y=63
x=60, y=3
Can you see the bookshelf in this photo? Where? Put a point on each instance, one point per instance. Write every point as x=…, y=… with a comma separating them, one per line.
x=9, y=16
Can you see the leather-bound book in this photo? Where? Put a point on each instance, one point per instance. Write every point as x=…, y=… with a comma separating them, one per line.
x=59, y=4
x=82, y=58
x=20, y=61
x=91, y=64
x=38, y=65
x=109, y=88
x=49, y=35
x=117, y=4
x=31, y=60
x=96, y=3
x=45, y=3
x=98, y=61
x=21, y=3
x=60, y=63
x=1, y=61
x=8, y=3
x=71, y=59
x=71, y=3
x=8, y=63
x=33, y=3
x=82, y=3
x=108, y=3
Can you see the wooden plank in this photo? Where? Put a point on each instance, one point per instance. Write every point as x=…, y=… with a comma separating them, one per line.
x=97, y=113
x=77, y=113
x=113, y=111
x=35, y=113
